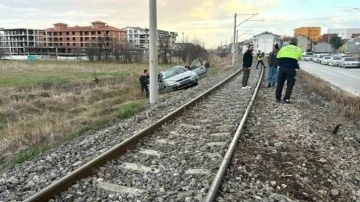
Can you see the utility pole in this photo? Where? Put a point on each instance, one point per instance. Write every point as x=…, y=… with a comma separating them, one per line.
x=234, y=38
x=153, y=62
x=233, y=46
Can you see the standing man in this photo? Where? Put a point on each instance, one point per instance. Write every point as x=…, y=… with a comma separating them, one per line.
x=272, y=62
x=288, y=58
x=144, y=81
x=247, y=62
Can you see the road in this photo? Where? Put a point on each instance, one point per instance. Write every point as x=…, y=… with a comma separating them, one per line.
x=346, y=79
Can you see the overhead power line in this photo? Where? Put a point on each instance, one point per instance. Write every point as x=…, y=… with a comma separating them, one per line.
x=226, y=9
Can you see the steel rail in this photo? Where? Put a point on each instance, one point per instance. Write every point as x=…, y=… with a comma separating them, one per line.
x=88, y=168
x=212, y=192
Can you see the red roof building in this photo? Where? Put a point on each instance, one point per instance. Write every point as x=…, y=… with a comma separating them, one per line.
x=68, y=40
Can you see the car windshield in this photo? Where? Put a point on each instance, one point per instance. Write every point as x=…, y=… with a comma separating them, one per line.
x=310, y=54
x=173, y=71
x=337, y=58
x=349, y=59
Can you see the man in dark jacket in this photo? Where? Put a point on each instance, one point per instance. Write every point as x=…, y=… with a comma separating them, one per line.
x=144, y=80
x=272, y=71
x=288, y=58
x=247, y=62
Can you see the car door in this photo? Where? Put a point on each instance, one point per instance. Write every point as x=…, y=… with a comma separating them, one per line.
x=197, y=66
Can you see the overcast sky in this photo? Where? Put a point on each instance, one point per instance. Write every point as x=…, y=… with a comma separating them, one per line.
x=208, y=21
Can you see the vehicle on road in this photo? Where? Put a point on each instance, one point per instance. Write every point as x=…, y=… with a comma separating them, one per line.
x=308, y=56
x=325, y=60
x=334, y=61
x=348, y=62
x=176, y=78
x=317, y=57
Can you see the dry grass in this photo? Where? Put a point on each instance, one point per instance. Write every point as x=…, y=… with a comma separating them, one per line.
x=348, y=104
x=45, y=103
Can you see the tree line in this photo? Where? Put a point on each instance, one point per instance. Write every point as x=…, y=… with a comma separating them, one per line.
x=110, y=49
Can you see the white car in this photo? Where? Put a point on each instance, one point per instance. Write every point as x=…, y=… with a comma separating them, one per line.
x=325, y=60
x=334, y=61
x=308, y=56
x=346, y=62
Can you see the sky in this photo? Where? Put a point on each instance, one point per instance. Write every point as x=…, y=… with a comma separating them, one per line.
x=209, y=22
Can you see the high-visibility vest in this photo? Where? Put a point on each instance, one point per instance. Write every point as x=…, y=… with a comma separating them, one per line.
x=290, y=51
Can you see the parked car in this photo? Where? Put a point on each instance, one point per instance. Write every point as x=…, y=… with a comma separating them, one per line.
x=176, y=78
x=334, y=61
x=199, y=68
x=308, y=56
x=346, y=62
x=325, y=60
x=317, y=57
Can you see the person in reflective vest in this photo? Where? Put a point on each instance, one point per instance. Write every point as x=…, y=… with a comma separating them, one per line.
x=288, y=60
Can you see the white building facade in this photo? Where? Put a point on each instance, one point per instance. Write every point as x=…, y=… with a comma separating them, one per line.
x=265, y=42
x=139, y=37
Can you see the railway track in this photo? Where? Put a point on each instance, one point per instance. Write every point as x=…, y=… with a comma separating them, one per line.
x=183, y=156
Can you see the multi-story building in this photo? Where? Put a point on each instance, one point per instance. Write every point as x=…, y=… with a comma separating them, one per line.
x=139, y=38
x=19, y=41
x=67, y=40
x=265, y=42
x=313, y=33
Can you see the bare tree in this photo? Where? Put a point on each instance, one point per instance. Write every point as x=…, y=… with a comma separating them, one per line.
x=164, y=47
x=92, y=51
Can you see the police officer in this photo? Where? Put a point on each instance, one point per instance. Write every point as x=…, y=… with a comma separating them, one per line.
x=288, y=58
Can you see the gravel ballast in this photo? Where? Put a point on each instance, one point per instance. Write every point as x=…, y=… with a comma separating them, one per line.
x=286, y=153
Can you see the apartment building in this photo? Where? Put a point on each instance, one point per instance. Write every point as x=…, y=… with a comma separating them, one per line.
x=65, y=40
x=139, y=38
x=19, y=41
x=313, y=33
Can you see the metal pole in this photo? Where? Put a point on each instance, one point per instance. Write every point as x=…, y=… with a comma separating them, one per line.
x=233, y=46
x=153, y=62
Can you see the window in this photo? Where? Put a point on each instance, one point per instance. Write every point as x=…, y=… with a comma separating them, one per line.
x=73, y=33
x=73, y=38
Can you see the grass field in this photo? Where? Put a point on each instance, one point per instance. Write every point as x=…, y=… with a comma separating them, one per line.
x=44, y=103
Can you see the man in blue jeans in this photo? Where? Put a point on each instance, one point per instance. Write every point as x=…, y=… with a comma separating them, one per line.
x=272, y=62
